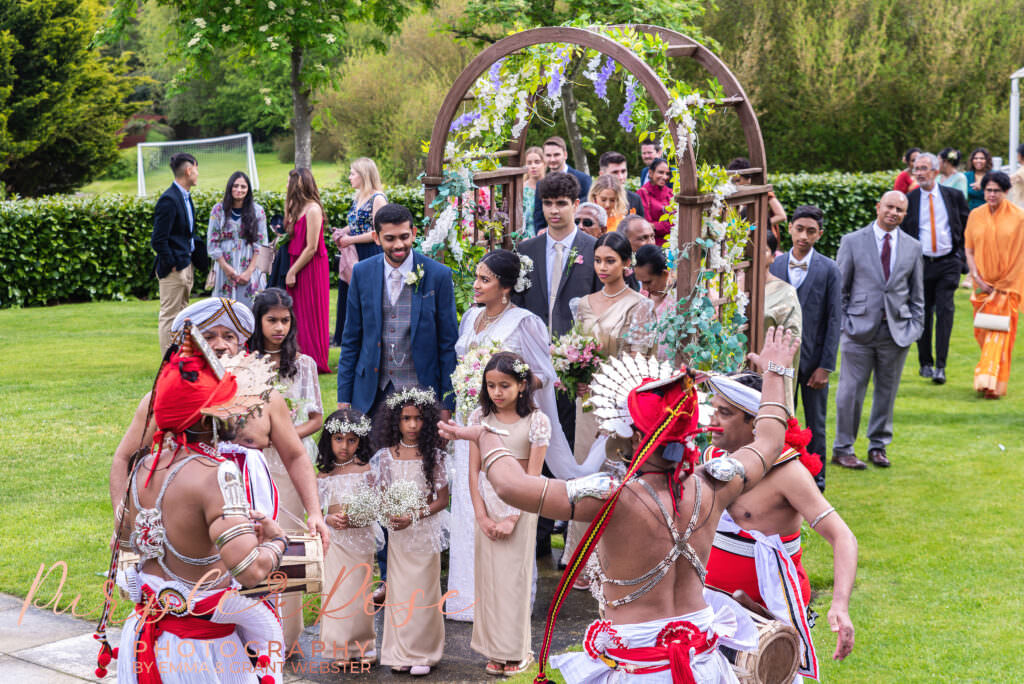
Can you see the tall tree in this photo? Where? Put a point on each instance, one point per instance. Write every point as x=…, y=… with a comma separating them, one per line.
x=310, y=38
x=61, y=103
x=486, y=21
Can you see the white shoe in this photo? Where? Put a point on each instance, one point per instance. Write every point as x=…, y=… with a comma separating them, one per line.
x=419, y=670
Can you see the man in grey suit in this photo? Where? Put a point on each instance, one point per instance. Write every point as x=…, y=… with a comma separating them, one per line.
x=816, y=279
x=883, y=314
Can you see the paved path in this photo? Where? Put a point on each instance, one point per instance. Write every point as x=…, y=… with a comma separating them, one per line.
x=43, y=648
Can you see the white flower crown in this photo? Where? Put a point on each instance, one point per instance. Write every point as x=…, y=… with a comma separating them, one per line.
x=361, y=428
x=417, y=395
x=525, y=269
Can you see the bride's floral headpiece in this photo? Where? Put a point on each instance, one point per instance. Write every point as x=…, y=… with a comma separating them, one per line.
x=417, y=395
x=360, y=428
x=523, y=279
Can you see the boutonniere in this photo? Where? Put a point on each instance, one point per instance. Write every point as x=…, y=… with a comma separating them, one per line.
x=574, y=258
x=414, y=277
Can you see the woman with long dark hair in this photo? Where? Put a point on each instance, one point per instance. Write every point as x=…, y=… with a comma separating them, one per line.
x=274, y=336
x=308, y=279
x=979, y=164
x=656, y=196
x=238, y=227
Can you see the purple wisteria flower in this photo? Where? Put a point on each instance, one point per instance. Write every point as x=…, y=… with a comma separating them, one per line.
x=464, y=120
x=626, y=117
x=494, y=75
x=601, y=84
x=555, y=84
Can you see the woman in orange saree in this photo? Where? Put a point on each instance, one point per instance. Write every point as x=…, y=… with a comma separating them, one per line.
x=994, y=243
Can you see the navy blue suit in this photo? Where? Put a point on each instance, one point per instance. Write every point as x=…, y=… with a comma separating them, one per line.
x=821, y=308
x=434, y=329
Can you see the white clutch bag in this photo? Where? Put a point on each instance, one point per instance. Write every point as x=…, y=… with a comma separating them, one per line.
x=994, y=322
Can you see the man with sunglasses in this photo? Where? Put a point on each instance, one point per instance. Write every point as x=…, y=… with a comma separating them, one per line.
x=592, y=219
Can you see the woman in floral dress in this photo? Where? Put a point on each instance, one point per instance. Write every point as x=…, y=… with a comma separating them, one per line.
x=238, y=227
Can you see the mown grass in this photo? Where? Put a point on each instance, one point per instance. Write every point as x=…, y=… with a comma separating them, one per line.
x=938, y=590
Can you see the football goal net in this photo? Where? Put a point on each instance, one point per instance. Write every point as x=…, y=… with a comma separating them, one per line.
x=218, y=158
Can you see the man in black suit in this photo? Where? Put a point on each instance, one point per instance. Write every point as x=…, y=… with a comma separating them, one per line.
x=179, y=250
x=556, y=156
x=614, y=164
x=563, y=269
x=816, y=279
x=936, y=215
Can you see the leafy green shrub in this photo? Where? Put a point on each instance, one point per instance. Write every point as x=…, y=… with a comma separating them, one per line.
x=65, y=248
x=123, y=167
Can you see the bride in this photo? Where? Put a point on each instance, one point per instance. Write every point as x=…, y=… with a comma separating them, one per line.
x=495, y=318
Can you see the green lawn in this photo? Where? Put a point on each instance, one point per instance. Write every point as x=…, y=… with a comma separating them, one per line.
x=938, y=592
x=214, y=174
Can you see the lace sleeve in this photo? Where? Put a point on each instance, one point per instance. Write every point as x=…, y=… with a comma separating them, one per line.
x=442, y=471
x=380, y=466
x=324, y=491
x=639, y=334
x=540, y=429
x=574, y=308
x=306, y=390
x=476, y=417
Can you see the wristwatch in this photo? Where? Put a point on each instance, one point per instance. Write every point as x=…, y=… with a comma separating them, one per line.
x=781, y=370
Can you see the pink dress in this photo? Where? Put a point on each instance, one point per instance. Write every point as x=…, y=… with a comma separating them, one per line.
x=312, y=295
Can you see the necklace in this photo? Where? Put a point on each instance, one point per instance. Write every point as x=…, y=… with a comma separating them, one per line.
x=407, y=446
x=275, y=351
x=613, y=296
x=487, y=320
x=342, y=465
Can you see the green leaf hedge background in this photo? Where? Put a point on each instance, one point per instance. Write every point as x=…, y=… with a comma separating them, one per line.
x=66, y=248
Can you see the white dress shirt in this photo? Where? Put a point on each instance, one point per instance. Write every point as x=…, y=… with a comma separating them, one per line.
x=551, y=254
x=797, y=275
x=880, y=241
x=404, y=269
x=943, y=235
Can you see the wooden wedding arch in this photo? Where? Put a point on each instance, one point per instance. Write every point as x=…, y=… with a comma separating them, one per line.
x=507, y=180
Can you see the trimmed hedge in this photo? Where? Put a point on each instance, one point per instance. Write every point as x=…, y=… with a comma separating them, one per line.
x=68, y=248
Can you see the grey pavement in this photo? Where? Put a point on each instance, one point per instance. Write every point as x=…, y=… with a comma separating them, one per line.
x=39, y=647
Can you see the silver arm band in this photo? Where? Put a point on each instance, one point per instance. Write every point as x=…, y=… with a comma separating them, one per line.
x=234, y=532
x=596, y=486
x=764, y=464
x=822, y=516
x=494, y=459
x=543, y=494
x=771, y=416
x=776, y=404
x=230, y=481
x=244, y=564
x=278, y=553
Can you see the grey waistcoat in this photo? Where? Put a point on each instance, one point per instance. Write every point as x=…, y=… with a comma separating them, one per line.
x=396, y=364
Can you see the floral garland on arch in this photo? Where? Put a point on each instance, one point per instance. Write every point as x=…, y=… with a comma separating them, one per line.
x=506, y=97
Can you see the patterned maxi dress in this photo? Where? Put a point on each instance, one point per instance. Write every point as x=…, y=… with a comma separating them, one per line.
x=224, y=239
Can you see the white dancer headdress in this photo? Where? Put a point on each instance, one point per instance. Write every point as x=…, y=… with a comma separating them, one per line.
x=612, y=383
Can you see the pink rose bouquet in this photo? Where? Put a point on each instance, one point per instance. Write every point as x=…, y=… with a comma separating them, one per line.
x=468, y=378
x=575, y=357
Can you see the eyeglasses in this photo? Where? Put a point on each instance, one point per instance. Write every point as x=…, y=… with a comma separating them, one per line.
x=585, y=222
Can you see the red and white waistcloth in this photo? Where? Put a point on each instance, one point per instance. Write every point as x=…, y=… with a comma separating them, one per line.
x=676, y=650
x=180, y=636
x=260, y=489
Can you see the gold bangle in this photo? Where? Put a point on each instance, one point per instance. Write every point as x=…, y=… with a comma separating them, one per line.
x=543, y=494
x=772, y=416
x=764, y=464
x=778, y=405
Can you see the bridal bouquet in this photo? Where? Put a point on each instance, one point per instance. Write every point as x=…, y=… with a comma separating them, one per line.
x=361, y=505
x=469, y=376
x=403, y=497
x=575, y=356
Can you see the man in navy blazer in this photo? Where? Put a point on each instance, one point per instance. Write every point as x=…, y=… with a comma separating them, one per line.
x=555, y=156
x=816, y=279
x=936, y=215
x=178, y=248
x=400, y=322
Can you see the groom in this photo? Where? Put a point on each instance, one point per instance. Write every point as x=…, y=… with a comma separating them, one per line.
x=400, y=323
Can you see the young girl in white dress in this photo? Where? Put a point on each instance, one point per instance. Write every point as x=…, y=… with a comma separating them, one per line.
x=343, y=459
x=413, y=638
x=504, y=548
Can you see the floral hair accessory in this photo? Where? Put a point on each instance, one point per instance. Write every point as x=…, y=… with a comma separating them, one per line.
x=417, y=395
x=525, y=269
x=360, y=428
x=521, y=368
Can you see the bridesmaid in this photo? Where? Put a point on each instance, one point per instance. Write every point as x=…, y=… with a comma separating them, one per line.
x=308, y=279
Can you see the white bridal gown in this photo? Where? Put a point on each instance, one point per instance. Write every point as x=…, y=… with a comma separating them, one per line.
x=524, y=333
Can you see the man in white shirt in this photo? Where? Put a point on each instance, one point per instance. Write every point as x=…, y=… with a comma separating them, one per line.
x=816, y=279
x=936, y=216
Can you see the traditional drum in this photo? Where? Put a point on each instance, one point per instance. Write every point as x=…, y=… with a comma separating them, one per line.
x=302, y=568
x=777, y=656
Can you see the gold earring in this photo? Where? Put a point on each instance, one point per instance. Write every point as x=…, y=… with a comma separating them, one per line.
x=504, y=299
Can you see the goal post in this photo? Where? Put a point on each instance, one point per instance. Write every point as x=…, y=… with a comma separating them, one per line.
x=218, y=158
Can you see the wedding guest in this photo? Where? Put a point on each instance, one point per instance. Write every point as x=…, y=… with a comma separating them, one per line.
x=981, y=163
x=637, y=230
x=905, y=179
x=614, y=164
x=657, y=284
x=1016, y=194
x=556, y=157
x=995, y=256
x=533, y=160
x=367, y=200
x=650, y=149
x=949, y=170
x=308, y=279
x=656, y=196
x=608, y=193
x=504, y=553
x=238, y=228
x=591, y=219
x=413, y=639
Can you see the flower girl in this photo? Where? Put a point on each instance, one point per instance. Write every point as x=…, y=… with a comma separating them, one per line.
x=348, y=492
x=414, y=501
